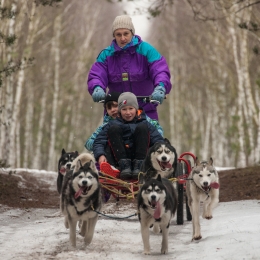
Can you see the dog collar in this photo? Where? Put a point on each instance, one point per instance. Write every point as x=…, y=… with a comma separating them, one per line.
x=200, y=189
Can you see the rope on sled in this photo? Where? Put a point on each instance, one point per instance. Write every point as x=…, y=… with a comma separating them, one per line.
x=113, y=217
x=118, y=182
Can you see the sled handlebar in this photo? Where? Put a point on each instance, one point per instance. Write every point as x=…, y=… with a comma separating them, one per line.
x=146, y=99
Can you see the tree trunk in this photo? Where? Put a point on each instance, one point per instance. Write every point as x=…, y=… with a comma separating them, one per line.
x=56, y=44
x=28, y=135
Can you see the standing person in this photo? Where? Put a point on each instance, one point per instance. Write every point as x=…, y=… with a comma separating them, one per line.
x=130, y=65
x=129, y=136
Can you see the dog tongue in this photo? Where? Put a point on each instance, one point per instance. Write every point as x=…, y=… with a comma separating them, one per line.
x=214, y=185
x=157, y=212
x=62, y=170
x=166, y=164
x=78, y=193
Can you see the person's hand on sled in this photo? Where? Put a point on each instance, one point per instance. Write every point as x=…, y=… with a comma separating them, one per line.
x=98, y=94
x=158, y=94
x=101, y=159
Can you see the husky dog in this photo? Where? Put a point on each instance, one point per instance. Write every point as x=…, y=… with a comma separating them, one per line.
x=84, y=158
x=64, y=165
x=161, y=159
x=157, y=203
x=202, y=186
x=80, y=200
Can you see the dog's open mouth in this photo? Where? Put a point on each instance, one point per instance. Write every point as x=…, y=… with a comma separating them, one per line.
x=83, y=190
x=206, y=188
x=153, y=204
x=164, y=165
x=157, y=207
x=63, y=170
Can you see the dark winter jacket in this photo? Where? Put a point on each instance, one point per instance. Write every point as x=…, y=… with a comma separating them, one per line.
x=128, y=130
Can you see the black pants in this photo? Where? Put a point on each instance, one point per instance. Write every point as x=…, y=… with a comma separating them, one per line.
x=118, y=150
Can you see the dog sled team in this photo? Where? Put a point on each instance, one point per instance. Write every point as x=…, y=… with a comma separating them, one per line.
x=131, y=140
x=152, y=164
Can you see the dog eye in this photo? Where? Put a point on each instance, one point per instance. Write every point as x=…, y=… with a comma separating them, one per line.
x=80, y=177
x=90, y=177
x=209, y=174
x=167, y=151
x=148, y=190
x=159, y=152
x=200, y=175
x=157, y=190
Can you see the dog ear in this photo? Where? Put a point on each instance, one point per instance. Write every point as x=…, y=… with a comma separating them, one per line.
x=211, y=161
x=159, y=178
x=93, y=166
x=63, y=151
x=167, y=141
x=78, y=165
x=76, y=153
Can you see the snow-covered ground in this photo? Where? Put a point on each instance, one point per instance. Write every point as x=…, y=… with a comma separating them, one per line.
x=233, y=233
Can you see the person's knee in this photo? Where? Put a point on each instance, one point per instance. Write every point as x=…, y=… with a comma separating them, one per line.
x=141, y=128
x=114, y=129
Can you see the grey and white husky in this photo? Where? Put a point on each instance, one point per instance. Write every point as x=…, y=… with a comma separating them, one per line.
x=81, y=200
x=203, y=186
x=161, y=159
x=157, y=203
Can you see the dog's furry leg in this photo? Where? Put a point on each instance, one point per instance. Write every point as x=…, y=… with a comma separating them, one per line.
x=145, y=236
x=195, y=211
x=156, y=228
x=72, y=226
x=208, y=207
x=90, y=227
x=165, y=233
x=83, y=226
x=66, y=223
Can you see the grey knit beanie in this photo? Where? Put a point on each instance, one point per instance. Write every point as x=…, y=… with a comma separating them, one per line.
x=127, y=99
x=123, y=22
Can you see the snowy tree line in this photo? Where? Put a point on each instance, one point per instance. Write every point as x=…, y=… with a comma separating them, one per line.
x=212, y=110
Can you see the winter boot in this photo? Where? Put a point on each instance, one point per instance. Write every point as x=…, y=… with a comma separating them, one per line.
x=137, y=164
x=125, y=168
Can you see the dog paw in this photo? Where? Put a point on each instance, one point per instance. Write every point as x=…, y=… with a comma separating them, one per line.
x=146, y=252
x=164, y=251
x=197, y=238
x=82, y=233
x=207, y=216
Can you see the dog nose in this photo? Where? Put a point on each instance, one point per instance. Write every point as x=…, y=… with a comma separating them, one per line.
x=153, y=197
x=164, y=158
x=205, y=183
x=84, y=183
x=68, y=165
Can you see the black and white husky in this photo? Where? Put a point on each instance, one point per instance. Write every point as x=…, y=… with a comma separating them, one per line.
x=202, y=186
x=161, y=159
x=64, y=165
x=157, y=203
x=81, y=200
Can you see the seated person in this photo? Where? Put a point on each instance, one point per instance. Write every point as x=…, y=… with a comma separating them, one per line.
x=128, y=137
x=111, y=108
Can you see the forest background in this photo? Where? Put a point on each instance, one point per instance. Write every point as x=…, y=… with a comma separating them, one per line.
x=48, y=47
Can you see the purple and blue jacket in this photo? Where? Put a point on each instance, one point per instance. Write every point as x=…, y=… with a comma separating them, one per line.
x=139, y=68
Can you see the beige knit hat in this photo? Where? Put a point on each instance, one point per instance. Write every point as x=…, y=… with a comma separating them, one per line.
x=123, y=22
